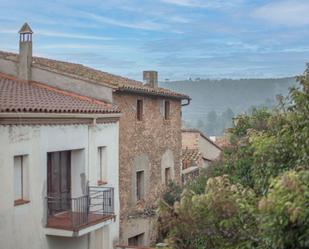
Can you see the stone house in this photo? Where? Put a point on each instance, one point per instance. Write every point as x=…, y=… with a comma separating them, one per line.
x=149, y=131
x=198, y=151
x=150, y=150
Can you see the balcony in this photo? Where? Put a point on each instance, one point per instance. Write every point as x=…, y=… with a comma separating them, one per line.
x=74, y=217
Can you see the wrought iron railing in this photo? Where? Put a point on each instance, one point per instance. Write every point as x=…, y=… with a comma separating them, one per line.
x=72, y=213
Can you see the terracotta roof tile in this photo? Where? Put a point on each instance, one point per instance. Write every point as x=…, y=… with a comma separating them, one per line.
x=77, y=70
x=21, y=96
x=190, y=158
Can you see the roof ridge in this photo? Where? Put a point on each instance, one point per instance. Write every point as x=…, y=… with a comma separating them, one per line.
x=94, y=75
x=87, y=67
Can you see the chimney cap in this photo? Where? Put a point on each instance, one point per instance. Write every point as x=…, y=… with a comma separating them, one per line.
x=25, y=29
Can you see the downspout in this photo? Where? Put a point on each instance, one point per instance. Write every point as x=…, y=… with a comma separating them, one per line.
x=94, y=123
x=188, y=102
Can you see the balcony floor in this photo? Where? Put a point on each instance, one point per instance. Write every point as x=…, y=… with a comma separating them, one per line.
x=63, y=221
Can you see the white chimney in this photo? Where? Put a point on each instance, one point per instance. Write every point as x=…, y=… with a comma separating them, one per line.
x=25, y=52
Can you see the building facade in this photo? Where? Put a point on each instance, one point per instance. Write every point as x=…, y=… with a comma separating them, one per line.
x=150, y=151
x=58, y=162
x=198, y=151
x=149, y=131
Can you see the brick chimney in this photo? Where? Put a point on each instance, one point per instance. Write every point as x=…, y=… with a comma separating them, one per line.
x=25, y=52
x=151, y=78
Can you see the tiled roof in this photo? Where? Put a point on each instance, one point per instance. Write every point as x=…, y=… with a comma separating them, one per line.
x=77, y=70
x=190, y=158
x=21, y=96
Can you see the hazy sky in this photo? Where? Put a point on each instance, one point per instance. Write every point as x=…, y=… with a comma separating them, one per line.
x=179, y=38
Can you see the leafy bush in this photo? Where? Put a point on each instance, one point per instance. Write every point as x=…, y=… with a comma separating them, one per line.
x=285, y=212
x=172, y=193
x=222, y=217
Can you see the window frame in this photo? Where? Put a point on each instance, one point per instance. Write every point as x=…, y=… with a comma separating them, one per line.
x=22, y=200
x=167, y=175
x=140, y=185
x=167, y=109
x=102, y=165
x=139, y=109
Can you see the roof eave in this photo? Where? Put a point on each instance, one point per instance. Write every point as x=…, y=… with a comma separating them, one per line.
x=60, y=115
x=24, y=118
x=154, y=94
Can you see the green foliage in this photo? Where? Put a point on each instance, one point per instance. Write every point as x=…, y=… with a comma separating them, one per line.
x=257, y=194
x=172, y=193
x=284, y=218
x=198, y=185
x=222, y=217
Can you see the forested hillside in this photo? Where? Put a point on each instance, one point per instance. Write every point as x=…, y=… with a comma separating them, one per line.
x=214, y=102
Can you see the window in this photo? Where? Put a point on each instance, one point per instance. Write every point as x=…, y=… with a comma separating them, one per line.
x=167, y=175
x=20, y=180
x=59, y=179
x=139, y=110
x=166, y=110
x=137, y=240
x=102, y=165
x=139, y=185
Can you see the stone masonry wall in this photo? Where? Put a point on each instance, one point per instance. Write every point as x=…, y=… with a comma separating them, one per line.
x=150, y=139
x=190, y=140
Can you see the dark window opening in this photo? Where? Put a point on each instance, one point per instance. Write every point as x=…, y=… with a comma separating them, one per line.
x=166, y=110
x=139, y=110
x=59, y=180
x=137, y=240
x=167, y=175
x=139, y=185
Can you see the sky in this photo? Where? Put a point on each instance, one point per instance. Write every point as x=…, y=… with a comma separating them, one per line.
x=180, y=39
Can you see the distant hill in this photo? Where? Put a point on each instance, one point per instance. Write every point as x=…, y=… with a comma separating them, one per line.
x=215, y=101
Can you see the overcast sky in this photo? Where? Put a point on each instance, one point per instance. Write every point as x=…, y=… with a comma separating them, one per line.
x=179, y=38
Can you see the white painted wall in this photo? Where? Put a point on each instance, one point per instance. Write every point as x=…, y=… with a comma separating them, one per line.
x=207, y=149
x=62, y=81
x=22, y=227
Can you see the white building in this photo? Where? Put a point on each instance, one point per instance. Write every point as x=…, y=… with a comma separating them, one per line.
x=58, y=161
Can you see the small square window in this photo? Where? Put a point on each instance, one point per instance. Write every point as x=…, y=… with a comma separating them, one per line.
x=139, y=110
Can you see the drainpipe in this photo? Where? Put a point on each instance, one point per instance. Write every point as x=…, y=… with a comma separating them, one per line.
x=188, y=102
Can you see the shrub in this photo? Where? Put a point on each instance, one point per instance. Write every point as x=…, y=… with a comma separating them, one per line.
x=284, y=212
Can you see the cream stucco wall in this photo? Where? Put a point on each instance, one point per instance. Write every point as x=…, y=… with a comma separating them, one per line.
x=193, y=139
x=62, y=81
x=208, y=150
x=26, y=222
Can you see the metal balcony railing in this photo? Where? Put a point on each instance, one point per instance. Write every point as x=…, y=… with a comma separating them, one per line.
x=74, y=213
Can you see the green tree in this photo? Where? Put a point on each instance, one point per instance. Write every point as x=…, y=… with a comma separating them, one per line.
x=284, y=212
x=224, y=216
